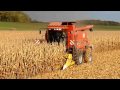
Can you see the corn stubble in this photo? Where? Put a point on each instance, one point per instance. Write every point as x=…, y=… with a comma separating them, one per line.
x=21, y=58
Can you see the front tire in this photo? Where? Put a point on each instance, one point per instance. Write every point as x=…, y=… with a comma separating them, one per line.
x=77, y=56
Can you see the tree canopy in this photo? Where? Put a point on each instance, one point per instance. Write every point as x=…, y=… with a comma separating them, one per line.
x=14, y=16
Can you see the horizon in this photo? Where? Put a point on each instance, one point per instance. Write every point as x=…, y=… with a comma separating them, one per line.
x=49, y=16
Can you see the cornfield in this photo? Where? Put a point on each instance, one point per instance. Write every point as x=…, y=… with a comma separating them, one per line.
x=22, y=58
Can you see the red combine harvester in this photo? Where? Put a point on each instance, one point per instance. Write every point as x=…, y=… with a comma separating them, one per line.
x=78, y=47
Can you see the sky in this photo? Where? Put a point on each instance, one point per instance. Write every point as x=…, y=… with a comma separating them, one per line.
x=48, y=16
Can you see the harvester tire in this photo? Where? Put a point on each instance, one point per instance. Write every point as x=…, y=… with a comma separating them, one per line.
x=88, y=55
x=77, y=56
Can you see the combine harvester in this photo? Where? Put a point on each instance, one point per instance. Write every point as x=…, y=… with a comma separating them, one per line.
x=78, y=47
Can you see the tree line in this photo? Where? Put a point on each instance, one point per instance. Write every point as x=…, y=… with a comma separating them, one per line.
x=14, y=16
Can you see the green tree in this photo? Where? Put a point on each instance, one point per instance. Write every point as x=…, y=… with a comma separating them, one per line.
x=14, y=16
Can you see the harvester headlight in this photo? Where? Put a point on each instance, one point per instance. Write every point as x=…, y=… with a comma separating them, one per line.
x=60, y=29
